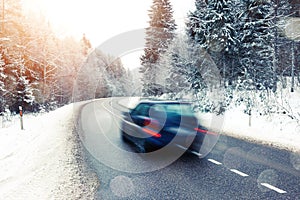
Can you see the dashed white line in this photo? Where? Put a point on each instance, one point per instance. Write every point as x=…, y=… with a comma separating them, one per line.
x=214, y=161
x=239, y=172
x=273, y=188
x=245, y=175
x=196, y=153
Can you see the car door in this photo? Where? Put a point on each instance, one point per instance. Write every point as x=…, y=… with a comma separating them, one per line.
x=136, y=120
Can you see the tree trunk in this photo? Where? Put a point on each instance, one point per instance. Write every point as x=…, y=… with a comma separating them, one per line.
x=293, y=67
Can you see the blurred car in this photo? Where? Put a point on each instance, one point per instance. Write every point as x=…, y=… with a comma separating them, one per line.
x=152, y=125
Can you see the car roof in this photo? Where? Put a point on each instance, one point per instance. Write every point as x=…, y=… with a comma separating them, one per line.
x=164, y=102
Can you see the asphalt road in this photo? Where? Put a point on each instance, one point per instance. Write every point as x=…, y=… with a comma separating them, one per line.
x=235, y=169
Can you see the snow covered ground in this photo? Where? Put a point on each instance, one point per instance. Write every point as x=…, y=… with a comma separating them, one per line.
x=279, y=132
x=45, y=160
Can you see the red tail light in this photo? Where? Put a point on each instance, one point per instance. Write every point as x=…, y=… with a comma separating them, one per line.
x=204, y=131
x=152, y=133
x=147, y=122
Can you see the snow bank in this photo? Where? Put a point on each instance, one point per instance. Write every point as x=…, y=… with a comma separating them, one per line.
x=129, y=102
x=44, y=161
x=277, y=131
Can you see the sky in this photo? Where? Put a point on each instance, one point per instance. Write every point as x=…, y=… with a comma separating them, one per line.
x=101, y=20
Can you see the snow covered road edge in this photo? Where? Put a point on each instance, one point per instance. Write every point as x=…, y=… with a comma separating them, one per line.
x=46, y=160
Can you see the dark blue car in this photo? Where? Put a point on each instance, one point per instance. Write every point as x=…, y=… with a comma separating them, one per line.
x=152, y=125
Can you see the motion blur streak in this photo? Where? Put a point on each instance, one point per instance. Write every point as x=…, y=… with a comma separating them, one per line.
x=152, y=133
x=205, y=131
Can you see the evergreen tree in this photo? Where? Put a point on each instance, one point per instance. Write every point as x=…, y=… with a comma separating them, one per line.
x=100, y=76
x=114, y=76
x=15, y=36
x=195, y=23
x=23, y=92
x=2, y=85
x=282, y=8
x=159, y=34
x=218, y=26
x=191, y=74
x=86, y=45
x=257, y=34
x=64, y=69
x=283, y=47
x=282, y=11
x=295, y=8
x=212, y=26
x=183, y=76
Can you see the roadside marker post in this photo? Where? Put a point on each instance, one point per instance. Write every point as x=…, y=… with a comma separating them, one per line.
x=21, y=117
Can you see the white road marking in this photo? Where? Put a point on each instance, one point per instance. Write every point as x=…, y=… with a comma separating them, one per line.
x=196, y=153
x=214, y=161
x=193, y=152
x=239, y=172
x=181, y=147
x=273, y=188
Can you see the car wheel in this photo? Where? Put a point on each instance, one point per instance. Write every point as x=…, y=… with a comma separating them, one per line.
x=124, y=138
x=149, y=147
x=146, y=147
x=143, y=148
x=140, y=149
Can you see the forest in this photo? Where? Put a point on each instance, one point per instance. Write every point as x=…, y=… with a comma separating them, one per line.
x=232, y=53
x=38, y=68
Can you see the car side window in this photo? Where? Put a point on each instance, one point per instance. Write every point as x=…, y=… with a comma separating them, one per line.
x=142, y=109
